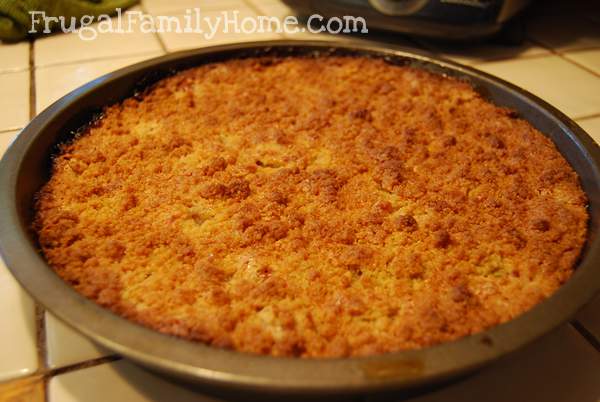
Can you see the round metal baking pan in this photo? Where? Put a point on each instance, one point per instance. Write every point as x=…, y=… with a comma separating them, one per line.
x=25, y=167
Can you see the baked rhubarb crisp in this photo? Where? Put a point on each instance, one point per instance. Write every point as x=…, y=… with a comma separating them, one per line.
x=312, y=206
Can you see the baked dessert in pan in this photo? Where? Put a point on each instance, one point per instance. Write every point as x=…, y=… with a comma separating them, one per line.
x=313, y=207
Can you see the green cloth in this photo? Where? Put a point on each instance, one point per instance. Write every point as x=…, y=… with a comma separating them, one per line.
x=15, y=20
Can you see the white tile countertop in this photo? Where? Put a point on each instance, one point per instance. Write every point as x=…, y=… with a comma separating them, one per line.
x=41, y=359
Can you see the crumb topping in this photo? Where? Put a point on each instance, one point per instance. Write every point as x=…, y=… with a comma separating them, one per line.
x=314, y=207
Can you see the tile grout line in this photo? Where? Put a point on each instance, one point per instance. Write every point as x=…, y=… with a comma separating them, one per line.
x=258, y=11
x=14, y=70
x=587, y=335
x=583, y=49
x=554, y=52
x=40, y=324
x=587, y=117
x=252, y=7
x=47, y=375
x=9, y=130
x=81, y=365
x=561, y=56
x=32, y=92
x=40, y=321
x=95, y=59
x=576, y=63
x=503, y=59
x=158, y=38
x=41, y=346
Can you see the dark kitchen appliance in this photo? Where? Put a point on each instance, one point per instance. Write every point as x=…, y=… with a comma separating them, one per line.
x=444, y=19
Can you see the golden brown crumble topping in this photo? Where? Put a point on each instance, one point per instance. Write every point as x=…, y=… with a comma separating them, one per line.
x=312, y=207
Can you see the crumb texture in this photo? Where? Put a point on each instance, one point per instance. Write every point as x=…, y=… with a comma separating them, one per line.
x=314, y=207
